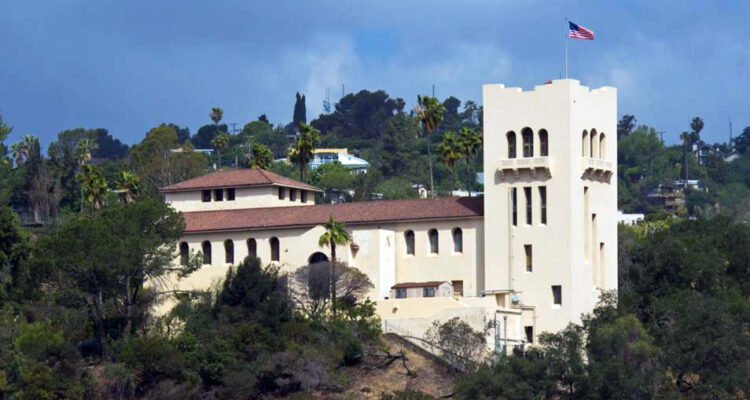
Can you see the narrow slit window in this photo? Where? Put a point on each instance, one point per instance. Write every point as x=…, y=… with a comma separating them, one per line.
x=529, y=331
x=184, y=253
x=585, y=144
x=529, y=259
x=206, y=247
x=528, y=142
x=434, y=246
x=219, y=194
x=409, y=238
x=511, y=136
x=543, y=204
x=252, y=247
x=514, y=206
x=527, y=194
x=206, y=196
x=275, y=253
x=229, y=251
x=292, y=194
x=458, y=240
x=557, y=295
x=230, y=194
x=282, y=193
x=543, y=143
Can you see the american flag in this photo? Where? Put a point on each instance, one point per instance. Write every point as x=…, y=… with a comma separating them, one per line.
x=579, y=32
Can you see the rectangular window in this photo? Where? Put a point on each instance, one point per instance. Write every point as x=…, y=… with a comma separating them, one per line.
x=557, y=295
x=428, y=292
x=458, y=288
x=529, y=331
x=292, y=195
x=514, y=206
x=230, y=194
x=529, y=263
x=282, y=193
x=586, y=222
x=527, y=194
x=303, y=196
x=401, y=293
x=601, y=265
x=219, y=194
x=543, y=204
x=206, y=196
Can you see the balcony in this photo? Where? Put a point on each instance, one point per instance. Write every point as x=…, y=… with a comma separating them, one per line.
x=533, y=164
x=597, y=166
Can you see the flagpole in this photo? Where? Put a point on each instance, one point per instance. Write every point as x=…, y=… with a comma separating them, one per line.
x=567, y=28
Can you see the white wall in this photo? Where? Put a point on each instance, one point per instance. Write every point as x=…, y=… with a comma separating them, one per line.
x=563, y=109
x=247, y=197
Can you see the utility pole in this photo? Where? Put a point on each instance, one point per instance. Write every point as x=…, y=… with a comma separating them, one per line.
x=234, y=127
x=661, y=136
x=433, y=90
x=730, y=134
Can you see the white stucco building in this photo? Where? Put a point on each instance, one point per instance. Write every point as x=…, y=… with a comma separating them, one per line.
x=533, y=252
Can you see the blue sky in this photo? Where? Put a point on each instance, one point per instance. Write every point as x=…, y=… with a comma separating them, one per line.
x=130, y=65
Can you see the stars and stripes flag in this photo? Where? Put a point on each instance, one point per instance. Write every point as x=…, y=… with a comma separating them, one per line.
x=578, y=32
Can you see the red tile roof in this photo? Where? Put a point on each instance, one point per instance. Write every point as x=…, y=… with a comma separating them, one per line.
x=237, y=178
x=351, y=213
x=407, y=285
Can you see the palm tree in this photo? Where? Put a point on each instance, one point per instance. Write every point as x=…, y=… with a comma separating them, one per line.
x=130, y=183
x=686, y=138
x=84, y=149
x=23, y=150
x=334, y=235
x=93, y=185
x=216, y=115
x=220, y=142
x=471, y=144
x=302, y=152
x=451, y=151
x=430, y=113
x=260, y=156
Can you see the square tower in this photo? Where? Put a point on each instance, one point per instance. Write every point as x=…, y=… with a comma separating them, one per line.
x=550, y=159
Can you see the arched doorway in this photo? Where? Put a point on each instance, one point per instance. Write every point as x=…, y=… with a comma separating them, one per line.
x=317, y=257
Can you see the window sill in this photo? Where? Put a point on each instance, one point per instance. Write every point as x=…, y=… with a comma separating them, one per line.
x=456, y=253
x=556, y=307
x=433, y=254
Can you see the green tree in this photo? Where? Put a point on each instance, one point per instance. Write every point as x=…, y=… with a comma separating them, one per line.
x=625, y=125
x=332, y=177
x=115, y=261
x=93, y=186
x=219, y=143
x=302, y=152
x=84, y=148
x=451, y=151
x=334, y=235
x=742, y=142
x=300, y=110
x=430, y=113
x=130, y=184
x=696, y=126
x=471, y=144
x=260, y=156
x=161, y=160
x=15, y=249
x=216, y=115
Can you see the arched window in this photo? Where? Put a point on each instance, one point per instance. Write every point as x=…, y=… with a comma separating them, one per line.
x=274, y=249
x=511, y=144
x=594, y=144
x=458, y=240
x=206, y=247
x=543, y=143
x=434, y=247
x=229, y=251
x=528, y=142
x=184, y=253
x=409, y=238
x=602, y=146
x=585, y=144
x=252, y=248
